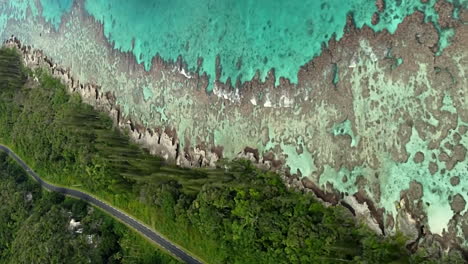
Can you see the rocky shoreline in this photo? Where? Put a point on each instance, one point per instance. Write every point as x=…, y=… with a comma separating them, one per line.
x=163, y=142
x=393, y=56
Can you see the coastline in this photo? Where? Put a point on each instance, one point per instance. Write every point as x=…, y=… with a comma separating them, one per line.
x=166, y=141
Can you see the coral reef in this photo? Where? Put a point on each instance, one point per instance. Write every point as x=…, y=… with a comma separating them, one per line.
x=378, y=121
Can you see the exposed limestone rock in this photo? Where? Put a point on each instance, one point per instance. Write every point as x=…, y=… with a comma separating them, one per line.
x=363, y=213
x=415, y=42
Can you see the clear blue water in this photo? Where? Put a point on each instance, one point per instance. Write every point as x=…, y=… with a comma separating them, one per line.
x=249, y=35
x=252, y=34
x=54, y=9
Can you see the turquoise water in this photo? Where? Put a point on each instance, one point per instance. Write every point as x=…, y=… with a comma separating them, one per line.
x=249, y=36
x=53, y=10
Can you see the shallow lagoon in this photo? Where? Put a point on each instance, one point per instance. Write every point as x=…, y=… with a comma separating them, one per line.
x=248, y=35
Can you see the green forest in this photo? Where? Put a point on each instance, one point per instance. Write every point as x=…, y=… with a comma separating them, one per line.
x=35, y=227
x=236, y=213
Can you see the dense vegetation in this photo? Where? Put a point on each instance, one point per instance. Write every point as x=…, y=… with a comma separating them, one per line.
x=35, y=227
x=237, y=215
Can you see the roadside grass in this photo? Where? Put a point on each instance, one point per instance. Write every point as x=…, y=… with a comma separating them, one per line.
x=17, y=94
x=142, y=236
x=149, y=216
x=28, y=226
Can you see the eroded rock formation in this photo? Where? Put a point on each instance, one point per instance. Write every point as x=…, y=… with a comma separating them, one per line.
x=378, y=121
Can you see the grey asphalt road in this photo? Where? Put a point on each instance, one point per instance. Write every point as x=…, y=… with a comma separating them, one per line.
x=152, y=235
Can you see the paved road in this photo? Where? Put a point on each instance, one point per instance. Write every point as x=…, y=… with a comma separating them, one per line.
x=152, y=235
